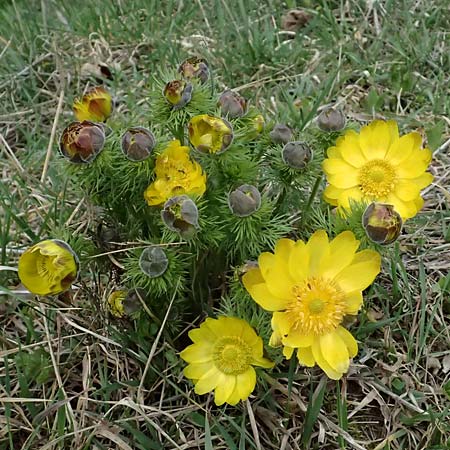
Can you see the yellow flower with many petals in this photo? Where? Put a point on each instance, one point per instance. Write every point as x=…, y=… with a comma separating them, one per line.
x=48, y=268
x=96, y=105
x=209, y=134
x=222, y=357
x=377, y=165
x=176, y=174
x=310, y=287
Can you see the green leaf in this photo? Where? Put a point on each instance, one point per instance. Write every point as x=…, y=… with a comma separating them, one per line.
x=434, y=135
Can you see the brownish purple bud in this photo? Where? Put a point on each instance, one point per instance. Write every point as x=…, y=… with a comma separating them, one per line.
x=382, y=223
x=180, y=214
x=138, y=143
x=81, y=142
x=281, y=134
x=178, y=93
x=244, y=201
x=232, y=104
x=296, y=154
x=331, y=119
x=194, y=67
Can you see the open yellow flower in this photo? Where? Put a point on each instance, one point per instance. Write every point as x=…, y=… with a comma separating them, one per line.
x=222, y=357
x=48, y=268
x=310, y=287
x=96, y=105
x=209, y=134
x=176, y=174
x=377, y=165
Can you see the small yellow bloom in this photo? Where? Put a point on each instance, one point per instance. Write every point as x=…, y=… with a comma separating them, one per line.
x=48, y=268
x=178, y=93
x=96, y=105
x=210, y=134
x=377, y=165
x=310, y=287
x=115, y=303
x=176, y=174
x=221, y=359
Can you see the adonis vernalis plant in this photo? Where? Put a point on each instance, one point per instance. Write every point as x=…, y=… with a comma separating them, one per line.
x=198, y=185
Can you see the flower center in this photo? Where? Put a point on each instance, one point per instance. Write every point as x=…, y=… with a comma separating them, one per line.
x=232, y=355
x=318, y=306
x=377, y=178
x=46, y=268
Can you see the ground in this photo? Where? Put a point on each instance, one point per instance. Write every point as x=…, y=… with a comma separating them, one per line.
x=66, y=379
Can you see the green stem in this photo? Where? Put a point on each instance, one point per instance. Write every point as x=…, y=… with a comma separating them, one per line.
x=311, y=198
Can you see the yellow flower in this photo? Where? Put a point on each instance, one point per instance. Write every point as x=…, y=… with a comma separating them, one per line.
x=310, y=287
x=115, y=303
x=176, y=174
x=48, y=268
x=210, y=134
x=377, y=165
x=221, y=359
x=96, y=105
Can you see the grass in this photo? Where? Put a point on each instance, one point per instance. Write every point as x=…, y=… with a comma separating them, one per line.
x=71, y=378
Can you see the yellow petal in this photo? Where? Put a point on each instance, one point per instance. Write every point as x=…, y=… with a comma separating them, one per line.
x=224, y=389
x=423, y=180
x=354, y=301
x=296, y=339
x=245, y=383
x=342, y=251
x=333, y=166
x=349, y=341
x=299, y=261
x=261, y=294
x=344, y=180
x=361, y=272
x=335, y=352
x=415, y=165
x=349, y=196
x=287, y=352
x=405, y=209
x=263, y=362
x=322, y=363
x=332, y=193
x=351, y=151
x=318, y=248
x=283, y=249
x=305, y=356
x=402, y=148
x=282, y=323
x=333, y=152
x=406, y=190
x=197, y=353
x=196, y=371
x=209, y=381
x=375, y=139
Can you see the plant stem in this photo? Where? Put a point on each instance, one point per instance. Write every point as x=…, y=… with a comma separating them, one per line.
x=311, y=198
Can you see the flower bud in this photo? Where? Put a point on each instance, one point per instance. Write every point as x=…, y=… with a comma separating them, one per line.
x=281, y=134
x=244, y=201
x=115, y=303
x=194, y=67
x=48, y=267
x=331, y=119
x=96, y=105
x=81, y=142
x=138, y=143
x=258, y=123
x=180, y=214
x=232, y=104
x=153, y=261
x=382, y=223
x=209, y=134
x=178, y=93
x=296, y=154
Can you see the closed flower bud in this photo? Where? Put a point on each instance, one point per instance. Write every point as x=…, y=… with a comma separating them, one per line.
x=232, y=104
x=96, y=105
x=382, y=223
x=281, y=134
x=244, y=201
x=194, y=67
x=331, y=119
x=178, y=93
x=153, y=261
x=81, y=142
x=258, y=123
x=48, y=268
x=138, y=143
x=296, y=154
x=209, y=134
x=180, y=214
